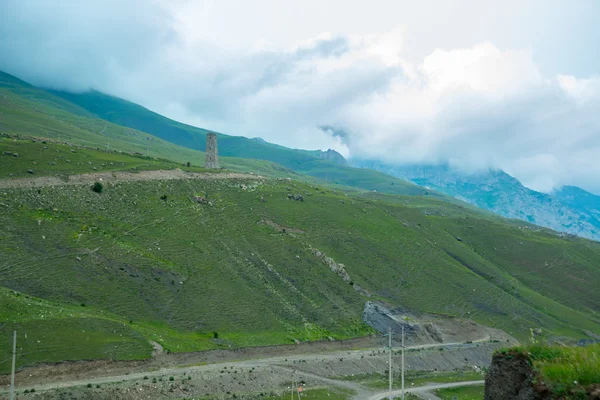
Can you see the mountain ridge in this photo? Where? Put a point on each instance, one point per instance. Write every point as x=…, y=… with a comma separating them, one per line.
x=571, y=210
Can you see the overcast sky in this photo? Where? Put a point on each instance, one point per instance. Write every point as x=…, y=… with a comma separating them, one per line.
x=478, y=84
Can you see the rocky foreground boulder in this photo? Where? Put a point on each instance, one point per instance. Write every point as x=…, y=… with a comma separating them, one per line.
x=512, y=377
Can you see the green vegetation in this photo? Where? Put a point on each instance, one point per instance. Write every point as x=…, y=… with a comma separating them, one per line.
x=566, y=371
x=175, y=271
x=461, y=393
x=318, y=394
x=85, y=276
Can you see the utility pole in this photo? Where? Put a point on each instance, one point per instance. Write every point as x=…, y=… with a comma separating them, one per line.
x=402, y=361
x=14, y=360
x=390, y=358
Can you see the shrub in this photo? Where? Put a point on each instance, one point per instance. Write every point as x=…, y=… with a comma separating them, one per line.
x=89, y=385
x=216, y=335
x=163, y=197
x=97, y=187
x=171, y=378
x=188, y=163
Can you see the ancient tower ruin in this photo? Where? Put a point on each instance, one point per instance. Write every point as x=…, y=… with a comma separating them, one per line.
x=212, y=152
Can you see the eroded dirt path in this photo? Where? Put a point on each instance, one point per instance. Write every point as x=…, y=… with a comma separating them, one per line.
x=119, y=176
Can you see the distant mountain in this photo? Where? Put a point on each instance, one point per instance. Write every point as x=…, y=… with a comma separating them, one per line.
x=570, y=210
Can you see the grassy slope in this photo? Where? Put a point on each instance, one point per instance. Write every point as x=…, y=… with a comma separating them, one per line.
x=176, y=272
x=566, y=371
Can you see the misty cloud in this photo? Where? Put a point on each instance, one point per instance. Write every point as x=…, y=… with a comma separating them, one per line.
x=473, y=108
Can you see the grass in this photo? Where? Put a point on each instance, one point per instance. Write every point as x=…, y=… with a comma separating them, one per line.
x=565, y=370
x=174, y=271
x=167, y=269
x=461, y=393
x=318, y=394
x=47, y=158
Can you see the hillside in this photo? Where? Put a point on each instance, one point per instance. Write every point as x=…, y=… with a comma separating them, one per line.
x=88, y=275
x=570, y=210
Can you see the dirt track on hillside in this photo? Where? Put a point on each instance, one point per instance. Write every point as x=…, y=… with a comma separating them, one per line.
x=250, y=374
x=119, y=176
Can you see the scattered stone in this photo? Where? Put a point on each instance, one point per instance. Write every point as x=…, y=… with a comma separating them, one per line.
x=201, y=200
x=16, y=155
x=30, y=171
x=298, y=197
x=459, y=238
x=290, y=196
x=262, y=199
x=7, y=153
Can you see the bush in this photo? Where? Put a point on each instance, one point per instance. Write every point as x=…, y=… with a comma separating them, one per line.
x=164, y=197
x=171, y=378
x=97, y=187
x=216, y=335
x=89, y=385
x=188, y=163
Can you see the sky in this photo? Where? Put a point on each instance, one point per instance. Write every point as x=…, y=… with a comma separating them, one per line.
x=476, y=84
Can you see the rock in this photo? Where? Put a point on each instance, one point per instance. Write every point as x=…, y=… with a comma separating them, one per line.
x=380, y=318
x=30, y=171
x=459, y=238
x=7, y=153
x=16, y=155
x=201, y=200
x=298, y=197
x=262, y=199
x=510, y=376
x=290, y=196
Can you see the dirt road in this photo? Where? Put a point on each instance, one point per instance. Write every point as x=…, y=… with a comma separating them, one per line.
x=118, y=176
x=424, y=389
x=319, y=369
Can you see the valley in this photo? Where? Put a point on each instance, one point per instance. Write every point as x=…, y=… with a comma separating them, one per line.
x=124, y=262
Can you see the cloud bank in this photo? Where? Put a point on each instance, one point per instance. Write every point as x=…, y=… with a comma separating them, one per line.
x=474, y=108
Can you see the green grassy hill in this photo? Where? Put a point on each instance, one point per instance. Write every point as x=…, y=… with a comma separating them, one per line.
x=87, y=275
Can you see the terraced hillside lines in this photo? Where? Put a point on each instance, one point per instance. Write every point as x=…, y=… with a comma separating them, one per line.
x=237, y=271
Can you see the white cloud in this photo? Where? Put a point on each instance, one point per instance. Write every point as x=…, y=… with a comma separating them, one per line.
x=474, y=106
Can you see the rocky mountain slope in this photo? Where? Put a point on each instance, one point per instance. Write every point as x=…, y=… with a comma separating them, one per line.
x=570, y=210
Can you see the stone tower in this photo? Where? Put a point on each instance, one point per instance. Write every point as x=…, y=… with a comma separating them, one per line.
x=212, y=151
